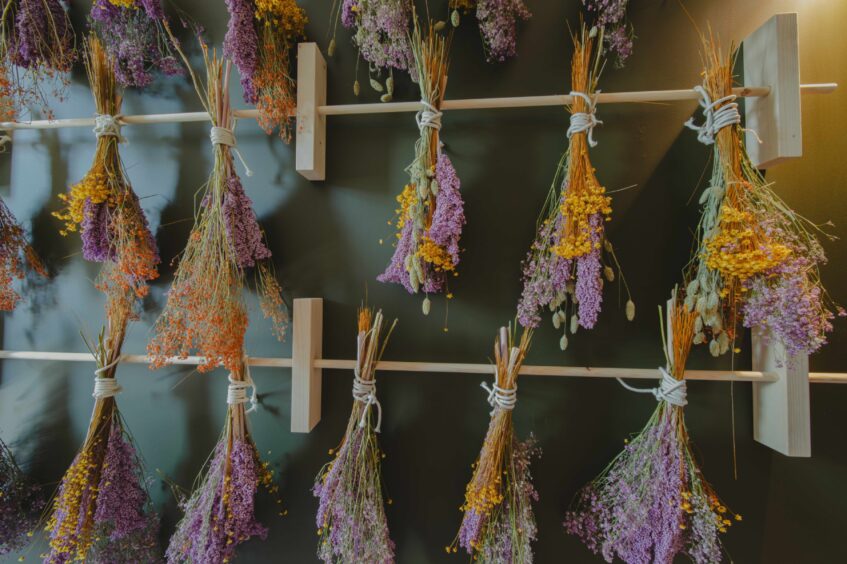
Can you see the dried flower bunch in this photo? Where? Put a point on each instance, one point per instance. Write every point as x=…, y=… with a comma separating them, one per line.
x=618, y=33
x=652, y=503
x=565, y=267
x=498, y=22
x=37, y=52
x=21, y=503
x=381, y=35
x=219, y=515
x=102, y=510
x=133, y=32
x=351, y=513
x=757, y=262
x=205, y=310
x=430, y=216
x=499, y=523
x=259, y=40
x=17, y=258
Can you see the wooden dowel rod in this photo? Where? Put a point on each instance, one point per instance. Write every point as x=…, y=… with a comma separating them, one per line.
x=131, y=358
x=184, y=117
x=827, y=378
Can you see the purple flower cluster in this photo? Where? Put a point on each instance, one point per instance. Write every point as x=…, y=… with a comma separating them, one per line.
x=21, y=504
x=651, y=503
x=136, y=40
x=589, y=281
x=96, y=232
x=242, y=229
x=381, y=31
x=351, y=514
x=124, y=519
x=449, y=217
x=241, y=44
x=220, y=514
x=618, y=34
x=498, y=26
x=42, y=36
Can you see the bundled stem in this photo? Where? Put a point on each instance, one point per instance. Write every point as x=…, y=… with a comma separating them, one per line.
x=21, y=503
x=498, y=523
x=757, y=262
x=17, y=258
x=351, y=514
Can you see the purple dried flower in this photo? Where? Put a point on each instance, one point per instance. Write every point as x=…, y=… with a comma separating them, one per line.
x=241, y=44
x=348, y=13
x=498, y=26
x=42, y=36
x=96, y=232
x=449, y=217
x=21, y=503
x=242, y=229
x=589, y=281
x=617, y=35
x=382, y=31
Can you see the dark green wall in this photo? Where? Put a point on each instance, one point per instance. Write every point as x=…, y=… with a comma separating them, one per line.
x=324, y=236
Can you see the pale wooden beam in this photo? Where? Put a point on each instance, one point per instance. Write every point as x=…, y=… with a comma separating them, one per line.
x=305, y=374
x=311, y=125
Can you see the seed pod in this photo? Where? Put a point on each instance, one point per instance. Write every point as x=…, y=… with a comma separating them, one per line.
x=389, y=84
x=557, y=321
x=563, y=342
x=455, y=19
x=692, y=287
x=439, y=25
x=609, y=273
x=423, y=191
x=630, y=310
x=331, y=49
x=713, y=301
x=705, y=195
x=688, y=302
x=723, y=341
x=574, y=324
x=356, y=88
x=701, y=305
x=376, y=85
x=386, y=98
x=570, y=288
x=714, y=348
x=699, y=338
x=608, y=246
x=407, y=263
x=716, y=324
x=562, y=316
x=426, y=305
x=593, y=32
x=413, y=280
x=433, y=187
x=698, y=324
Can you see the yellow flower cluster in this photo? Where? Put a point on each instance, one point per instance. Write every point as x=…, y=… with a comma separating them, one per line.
x=738, y=250
x=577, y=209
x=286, y=15
x=482, y=499
x=95, y=187
x=406, y=198
x=66, y=539
x=436, y=255
x=124, y=3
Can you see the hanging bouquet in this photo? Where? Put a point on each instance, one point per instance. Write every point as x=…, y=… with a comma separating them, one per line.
x=205, y=310
x=430, y=215
x=351, y=513
x=102, y=510
x=565, y=267
x=259, y=39
x=757, y=262
x=499, y=523
x=498, y=22
x=381, y=35
x=15, y=253
x=36, y=54
x=133, y=32
x=21, y=504
x=652, y=503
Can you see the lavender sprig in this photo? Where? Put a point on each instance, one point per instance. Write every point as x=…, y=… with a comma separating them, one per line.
x=21, y=503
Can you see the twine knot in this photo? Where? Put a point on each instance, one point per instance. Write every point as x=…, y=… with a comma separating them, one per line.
x=582, y=122
x=715, y=119
x=504, y=398
x=108, y=126
x=236, y=392
x=670, y=389
x=365, y=391
x=428, y=117
x=106, y=387
x=226, y=137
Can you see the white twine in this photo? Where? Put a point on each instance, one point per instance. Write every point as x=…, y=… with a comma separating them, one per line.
x=224, y=136
x=504, y=398
x=236, y=392
x=5, y=139
x=585, y=121
x=716, y=119
x=670, y=389
x=106, y=387
x=428, y=117
x=108, y=126
x=365, y=391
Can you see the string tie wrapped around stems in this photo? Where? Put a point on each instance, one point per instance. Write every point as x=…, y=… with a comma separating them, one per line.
x=504, y=398
x=236, y=392
x=670, y=389
x=428, y=117
x=105, y=387
x=226, y=137
x=364, y=391
x=582, y=122
x=716, y=118
x=108, y=126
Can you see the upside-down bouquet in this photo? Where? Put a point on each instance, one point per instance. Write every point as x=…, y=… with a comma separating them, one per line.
x=757, y=262
x=36, y=54
x=102, y=510
x=381, y=35
x=206, y=313
x=652, y=502
x=498, y=23
x=259, y=40
x=565, y=267
x=498, y=523
x=133, y=32
x=351, y=513
x=17, y=258
x=21, y=503
x=431, y=214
